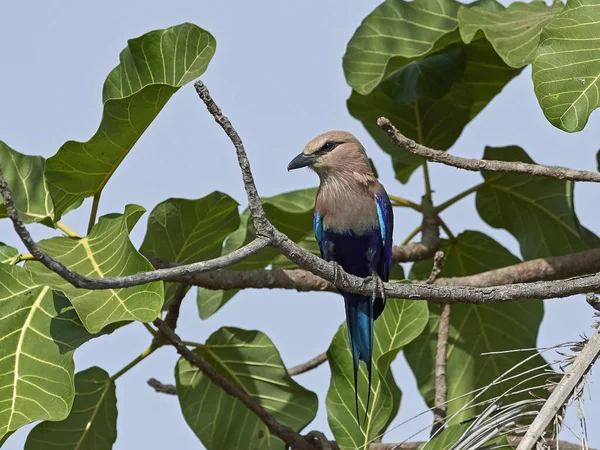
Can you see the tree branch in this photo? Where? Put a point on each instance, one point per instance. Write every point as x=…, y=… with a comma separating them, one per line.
x=563, y=391
x=479, y=165
x=308, y=365
x=441, y=388
x=286, y=434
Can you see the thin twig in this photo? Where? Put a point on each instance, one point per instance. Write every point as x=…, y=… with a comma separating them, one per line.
x=479, y=165
x=308, y=365
x=441, y=359
x=286, y=434
x=172, y=313
x=438, y=265
x=563, y=391
x=162, y=388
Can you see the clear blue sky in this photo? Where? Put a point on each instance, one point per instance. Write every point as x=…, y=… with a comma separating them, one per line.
x=277, y=74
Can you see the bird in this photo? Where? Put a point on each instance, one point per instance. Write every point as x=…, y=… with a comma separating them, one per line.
x=353, y=226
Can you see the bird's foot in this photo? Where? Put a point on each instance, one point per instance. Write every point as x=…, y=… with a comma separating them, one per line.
x=378, y=288
x=336, y=271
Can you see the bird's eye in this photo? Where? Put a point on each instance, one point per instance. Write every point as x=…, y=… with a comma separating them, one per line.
x=328, y=146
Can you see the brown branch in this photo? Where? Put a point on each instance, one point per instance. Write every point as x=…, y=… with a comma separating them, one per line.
x=563, y=391
x=479, y=165
x=172, y=313
x=286, y=434
x=441, y=388
x=542, y=269
x=308, y=365
x=162, y=388
x=438, y=265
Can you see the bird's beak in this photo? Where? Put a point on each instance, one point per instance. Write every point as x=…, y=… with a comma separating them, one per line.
x=301, y=160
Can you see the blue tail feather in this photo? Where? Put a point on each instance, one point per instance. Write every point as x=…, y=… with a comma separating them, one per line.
x=359, y=320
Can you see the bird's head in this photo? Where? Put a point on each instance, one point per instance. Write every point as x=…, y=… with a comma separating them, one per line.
x=331, y=152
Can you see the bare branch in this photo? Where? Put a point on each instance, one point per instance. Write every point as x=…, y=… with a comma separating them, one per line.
x=172, y=313
x=479, y=165
x=563, y=391
x=438, y=265
x=308, y=365
x=160, y=387
x=441, y=388
x=286, y=434
x=261, y=223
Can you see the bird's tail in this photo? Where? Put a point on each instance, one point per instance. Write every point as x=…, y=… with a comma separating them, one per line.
x=359, y=319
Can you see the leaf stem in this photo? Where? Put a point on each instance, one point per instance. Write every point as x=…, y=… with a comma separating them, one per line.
x=399, y=201
x=446, y=229
x=26, y=257
x=412, y=235
x=65, y=229
x=192, y=344
x=441, y=207
x=427, y=181
x=133, y=363
x=94, y=212
x=151, y=330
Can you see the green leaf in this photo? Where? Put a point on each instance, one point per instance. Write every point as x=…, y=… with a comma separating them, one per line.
x=566, y=68
x=394, y=34
x=446, y=438
x=92, y=423
x=401, y=322
x=8, y=254
x=250, y=360
x=476, y=329
x=475, y=74
x=25, y=177
x=539, y=212
x=106, y=252
x=152, y=68
x=291, y=213
x=188, y=231
x=514, y=31
x=39, y=331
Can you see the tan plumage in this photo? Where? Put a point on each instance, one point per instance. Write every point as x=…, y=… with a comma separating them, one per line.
x=348, y=186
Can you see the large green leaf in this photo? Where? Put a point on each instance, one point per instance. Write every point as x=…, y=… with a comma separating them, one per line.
x=566, y=68
x=188, y=231
x=25, y=177
x=8, y=254
x=401, y=322
x=467, y=77
x=92, y=423
x=152, y=68
x=291, y=213
x=250, y=360
x=106, y=252
x=539, y=212
x=394, y=34
x=476, y=329
x=514, y=31
x=39, y=331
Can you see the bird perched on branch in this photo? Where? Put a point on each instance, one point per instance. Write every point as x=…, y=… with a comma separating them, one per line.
x=353, y=225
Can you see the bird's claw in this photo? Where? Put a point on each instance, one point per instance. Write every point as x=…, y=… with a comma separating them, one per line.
x=336, y=271
x=378, y=288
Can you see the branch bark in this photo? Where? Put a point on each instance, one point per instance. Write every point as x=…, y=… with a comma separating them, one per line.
x=479, y=165
x=441, y=388
x=563, y=391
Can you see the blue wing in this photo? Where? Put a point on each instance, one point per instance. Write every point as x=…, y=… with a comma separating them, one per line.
x=386, y=227
x=318, y=227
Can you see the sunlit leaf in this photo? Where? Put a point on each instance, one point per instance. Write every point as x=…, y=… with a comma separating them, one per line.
x=539, y=212
x=514, y=31
x=25, y=177
x=106, y=252
x=394, y=34
x=291, y=213
x=476, y=329
x=92, y=423
x=250, y=360
x=39, y=331
x=401, y=322
x=152, y=68
x=8, y=254
x=566, y=68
